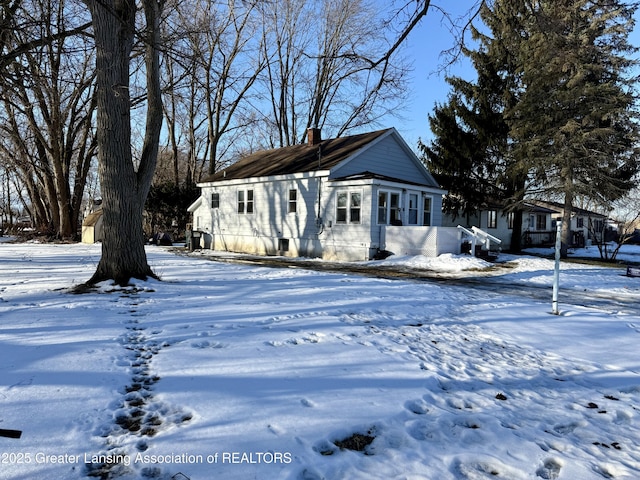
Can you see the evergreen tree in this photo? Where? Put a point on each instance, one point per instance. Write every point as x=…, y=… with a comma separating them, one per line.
x=552, y=112
x=471, y=152
x=575, y=124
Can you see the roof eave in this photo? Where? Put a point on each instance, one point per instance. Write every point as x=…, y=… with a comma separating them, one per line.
x=266, y=179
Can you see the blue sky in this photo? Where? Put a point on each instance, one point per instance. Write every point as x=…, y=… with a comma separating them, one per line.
x=424, y=48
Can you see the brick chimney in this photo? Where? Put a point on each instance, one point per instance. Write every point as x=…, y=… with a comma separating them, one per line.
x=313, y=136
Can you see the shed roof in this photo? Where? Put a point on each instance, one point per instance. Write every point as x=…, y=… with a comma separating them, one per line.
x=297, y=158
x=92, y=219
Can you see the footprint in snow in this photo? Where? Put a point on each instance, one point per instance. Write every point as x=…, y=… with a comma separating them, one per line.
x=307, y=403
x=419, y=407
x=207, y=344
x=550, y=470
x=276, y=430
x=634, y=327
x=566, y=429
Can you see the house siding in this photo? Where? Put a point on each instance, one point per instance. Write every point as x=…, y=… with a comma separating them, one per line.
x=261, y=231
x=317, y=228
x=427, y=241
x=349, y=240
x=386, y=157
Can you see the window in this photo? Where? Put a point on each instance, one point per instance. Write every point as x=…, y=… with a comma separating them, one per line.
x=382, y=207
x=394, y=209
x=241, y=201
x=426, y=212
x=215, y=200
x=348, y=207
x=354, y=207
x=389, y=208
x=541, y=222
x=293, y=201
x=341, y=213
x=413, y=209
x=510, y=219
x=597, y=224
x=580, y=222
x=245, y=201
x=492, y=219
x=249, y=201
x=283, y=244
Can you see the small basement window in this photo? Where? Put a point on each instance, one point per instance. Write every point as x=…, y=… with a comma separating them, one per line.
x=283, y=244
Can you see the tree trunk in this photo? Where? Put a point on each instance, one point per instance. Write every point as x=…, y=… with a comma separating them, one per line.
x=124, y=189
x=566, y=224
x=516, y=233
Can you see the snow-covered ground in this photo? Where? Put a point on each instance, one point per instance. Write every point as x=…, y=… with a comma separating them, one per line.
x=232, y=371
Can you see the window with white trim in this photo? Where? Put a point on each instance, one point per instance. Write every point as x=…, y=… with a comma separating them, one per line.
x=426, y=211
x=389, y=208
x=355, y=204
x=215, y=200
x=348, y=207
x=293, y=201
x=245, y=201
x=492, y=219
x=413, y=209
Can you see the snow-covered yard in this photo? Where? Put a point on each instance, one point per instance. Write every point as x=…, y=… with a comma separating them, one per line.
x=232, y=371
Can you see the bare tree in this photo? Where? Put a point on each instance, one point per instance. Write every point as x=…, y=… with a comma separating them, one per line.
x=125, y=181
x=48, y=106
x=626, y=213
x=215, y=60
x=181, y=99
x=330, y=66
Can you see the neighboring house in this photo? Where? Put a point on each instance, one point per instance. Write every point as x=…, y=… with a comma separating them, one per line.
x=344, y=198
x=92, y=229
x=586, y=227
x=538, y=224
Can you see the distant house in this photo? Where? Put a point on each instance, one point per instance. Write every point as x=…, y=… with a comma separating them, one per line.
x=538, y=224
x=586, y=227
x=344, y=198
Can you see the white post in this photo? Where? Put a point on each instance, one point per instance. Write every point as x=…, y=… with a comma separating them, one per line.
x=556, y=272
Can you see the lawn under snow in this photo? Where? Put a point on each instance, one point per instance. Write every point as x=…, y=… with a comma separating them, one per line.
x=229, y=371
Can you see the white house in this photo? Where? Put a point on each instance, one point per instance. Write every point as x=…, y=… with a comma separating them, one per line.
x=586, y=226
x=344, y=199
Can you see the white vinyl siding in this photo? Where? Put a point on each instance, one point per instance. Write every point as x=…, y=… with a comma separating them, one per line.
x=387, y=158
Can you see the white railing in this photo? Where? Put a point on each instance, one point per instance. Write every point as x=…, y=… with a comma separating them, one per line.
x=475, y=235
